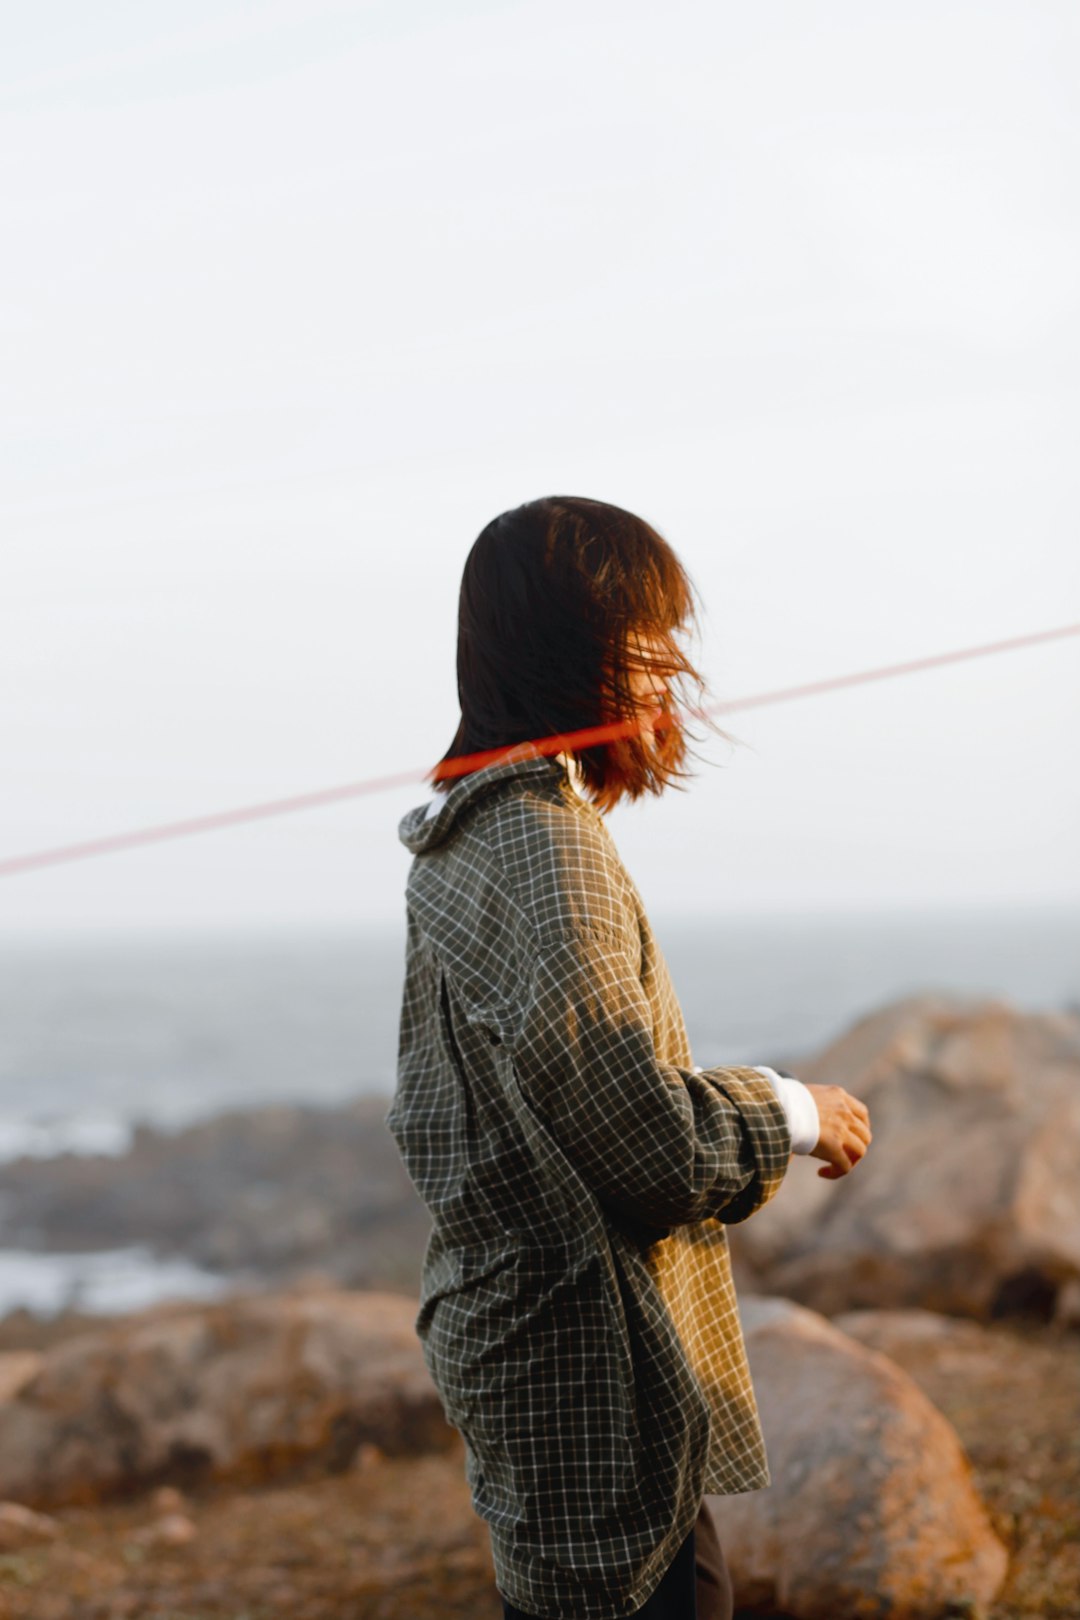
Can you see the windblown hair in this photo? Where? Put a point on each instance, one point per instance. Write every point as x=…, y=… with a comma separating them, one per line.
x=554, y=598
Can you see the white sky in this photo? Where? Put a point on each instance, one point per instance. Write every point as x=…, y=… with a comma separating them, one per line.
x=295, y=297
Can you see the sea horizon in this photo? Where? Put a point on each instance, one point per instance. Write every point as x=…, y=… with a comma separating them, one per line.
x=101, y=1029
x=101, y=1032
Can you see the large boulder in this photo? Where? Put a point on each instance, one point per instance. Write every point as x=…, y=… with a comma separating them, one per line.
x=248, y=1388
x=968, y=1200
x=872, y=1510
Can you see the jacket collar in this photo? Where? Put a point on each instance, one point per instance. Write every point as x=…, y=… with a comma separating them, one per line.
x=419, y=831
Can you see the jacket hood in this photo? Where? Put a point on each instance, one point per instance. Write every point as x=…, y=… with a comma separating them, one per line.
x=420, y=832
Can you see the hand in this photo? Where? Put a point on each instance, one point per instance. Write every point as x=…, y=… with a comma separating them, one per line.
x=845, y=1130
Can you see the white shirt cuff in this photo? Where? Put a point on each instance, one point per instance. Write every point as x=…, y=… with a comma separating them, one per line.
x=797, y=1101
x=798, y=1104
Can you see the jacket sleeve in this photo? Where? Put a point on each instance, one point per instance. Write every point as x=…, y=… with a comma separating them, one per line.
x=658, y=1143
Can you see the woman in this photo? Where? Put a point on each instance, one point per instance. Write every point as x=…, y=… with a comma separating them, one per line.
x=577, y=1312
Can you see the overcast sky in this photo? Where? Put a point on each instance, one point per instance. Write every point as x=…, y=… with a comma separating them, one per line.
x=295, y=297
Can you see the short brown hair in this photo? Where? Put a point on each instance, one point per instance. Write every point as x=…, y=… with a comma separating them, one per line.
x=553, y=598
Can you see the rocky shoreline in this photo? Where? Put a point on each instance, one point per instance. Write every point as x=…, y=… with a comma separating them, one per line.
x=282, y=1451
x=261, y=1196
x=972, y=1206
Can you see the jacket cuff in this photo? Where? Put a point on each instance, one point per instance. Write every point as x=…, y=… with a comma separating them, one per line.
x=766, y=1124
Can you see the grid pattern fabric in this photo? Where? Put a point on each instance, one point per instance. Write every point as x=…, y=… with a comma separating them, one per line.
x=577, y=1311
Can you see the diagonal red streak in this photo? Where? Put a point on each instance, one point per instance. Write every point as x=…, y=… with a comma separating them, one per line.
x=471, y=762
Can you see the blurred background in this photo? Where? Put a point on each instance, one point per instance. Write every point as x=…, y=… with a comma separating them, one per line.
x=296, y=297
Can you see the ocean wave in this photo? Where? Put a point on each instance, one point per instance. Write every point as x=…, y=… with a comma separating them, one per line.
x=69, y=1133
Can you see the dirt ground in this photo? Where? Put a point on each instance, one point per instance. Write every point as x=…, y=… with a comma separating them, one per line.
x=396, y=1538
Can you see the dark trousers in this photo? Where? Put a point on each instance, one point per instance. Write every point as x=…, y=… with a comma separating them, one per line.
x=696, y=1585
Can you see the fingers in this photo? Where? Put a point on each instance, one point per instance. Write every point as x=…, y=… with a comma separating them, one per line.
x=845, y=1130
x=856, y=1117
x=862, y=1133
x=846, y=1155
x=859, y=1109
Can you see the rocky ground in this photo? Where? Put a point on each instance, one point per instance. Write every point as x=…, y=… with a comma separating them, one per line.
x=396, y=1538
x=1012, y=1392
x=392, y=1538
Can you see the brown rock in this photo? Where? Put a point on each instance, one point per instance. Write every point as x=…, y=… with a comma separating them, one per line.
x=368, y=1456
x=1067, y=1309
x=17, y=1367
x=167, y=1499
x=897, y=1333
x=170, y=1530
x=250, y=1388
x=872, y=1510
x=968, y=1199
x=20, y=1526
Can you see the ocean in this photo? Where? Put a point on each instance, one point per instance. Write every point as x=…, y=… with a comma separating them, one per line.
x=98, y=1033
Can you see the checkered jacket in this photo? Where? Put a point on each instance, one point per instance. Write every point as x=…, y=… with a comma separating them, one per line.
x=577, y=1312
